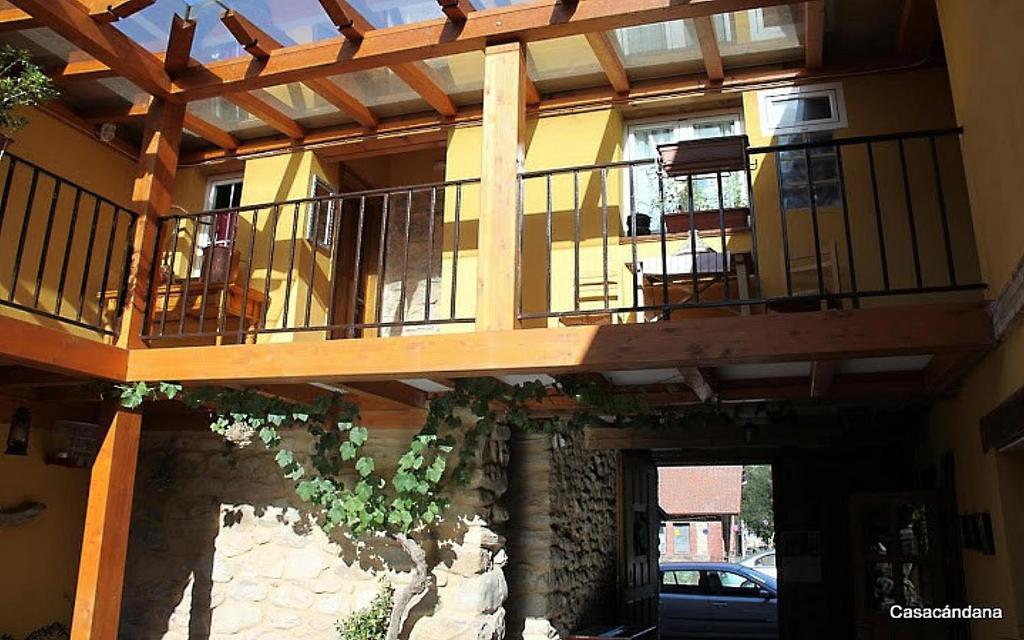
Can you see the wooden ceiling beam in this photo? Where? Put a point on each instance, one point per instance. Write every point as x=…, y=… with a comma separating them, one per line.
x=607, y=55
x=414, y=75
x=456, y=10
x=532, y=21
x=823, y=373
x=393, y=391
x=814, y=37
x=271, y=115
x=259, y=44
x=16, y=20
x=114, y=11
x=352, y=25
x=193, y=123
x=709, y=48
x=71, y=20
x=179, y=45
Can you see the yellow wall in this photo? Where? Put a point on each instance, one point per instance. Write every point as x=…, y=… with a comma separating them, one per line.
x=40, y=558
x=75, y=156
x=986, y=62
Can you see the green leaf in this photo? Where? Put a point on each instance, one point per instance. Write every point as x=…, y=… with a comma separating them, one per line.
x=275, y=419
x=301, y=417
x=348, y=451
x=268, y=435
x=284, y=458
x=364, y=466
x=170, y=390
x=358, y=436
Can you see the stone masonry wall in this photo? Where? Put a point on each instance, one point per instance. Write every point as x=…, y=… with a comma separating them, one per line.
x=562, y=536
x=221, y=548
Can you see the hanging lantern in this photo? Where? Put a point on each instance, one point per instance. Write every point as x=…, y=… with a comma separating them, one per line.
x=17, y=437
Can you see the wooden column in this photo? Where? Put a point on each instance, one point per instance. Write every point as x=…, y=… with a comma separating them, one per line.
x=105, y=540
x=151, y=199
x=504, y=129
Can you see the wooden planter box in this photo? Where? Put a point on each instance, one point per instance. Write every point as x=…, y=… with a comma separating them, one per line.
x=693, y=157
x=679, y=222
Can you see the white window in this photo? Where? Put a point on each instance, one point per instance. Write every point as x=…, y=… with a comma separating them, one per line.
x=818, y=107
x=320, y=214
x=647, y=195
x=769, y=23
x=223, y=193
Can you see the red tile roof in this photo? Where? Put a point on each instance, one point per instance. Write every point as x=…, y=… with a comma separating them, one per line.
x=692, y=491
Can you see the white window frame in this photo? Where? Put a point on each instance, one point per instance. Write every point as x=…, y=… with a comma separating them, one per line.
x=205, y=223
x=832, y=90
x=758, y=30
x=324, y=242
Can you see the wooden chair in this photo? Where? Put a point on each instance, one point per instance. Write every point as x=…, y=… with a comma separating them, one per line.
x=803, y=270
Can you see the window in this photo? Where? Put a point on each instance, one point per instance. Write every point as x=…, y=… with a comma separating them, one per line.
x=765, y=561
x=796, y=175
x=661, y=539
x=681, y=581
x=220, y=229
x=320, y=217
x=648, y=195
x=736, y=584
x=769, y=23
x=681, y=538
x=818, y=107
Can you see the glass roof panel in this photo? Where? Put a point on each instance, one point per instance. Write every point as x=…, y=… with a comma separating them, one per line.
x=231, y=118
x=563, y=63
x=46, y=47
x=391, y=13
x=299, y=102
x=461, y=76
x=291, y=22
x=760, y=36
x=660, y=49
x=383, y=91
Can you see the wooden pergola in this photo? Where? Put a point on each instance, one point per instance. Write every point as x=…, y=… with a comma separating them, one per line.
x=172, y=79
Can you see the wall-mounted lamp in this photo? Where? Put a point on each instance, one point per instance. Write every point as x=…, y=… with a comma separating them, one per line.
x=17, y=437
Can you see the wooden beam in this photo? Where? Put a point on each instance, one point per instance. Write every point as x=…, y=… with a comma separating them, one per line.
x=701, y=380
x=40, y=347
x=456, y=10
x=709, y=48
x=16, y=20
x=414, y=75
x=114, y=11
x=536, y=20
x=397, y=393
x=259, y=43
x=700, y=342
x=21, y=376
x=504, y=131
x=71, y=20
x=272, y=116
x=919, y=28
x=179, y=45
x=151, y=197
x=350, y=22
x=607, y=55
x=105, y=537
x=822, y=374
x=210, y=132
x=814, y=34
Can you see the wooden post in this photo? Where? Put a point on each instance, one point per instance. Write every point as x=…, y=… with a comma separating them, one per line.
x=105, y=539
x=151, y=199
x=504, y=130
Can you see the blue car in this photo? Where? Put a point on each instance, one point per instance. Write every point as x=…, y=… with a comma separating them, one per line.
x=717, y=600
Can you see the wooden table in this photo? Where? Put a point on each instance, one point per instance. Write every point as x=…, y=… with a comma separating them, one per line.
x=170, y=302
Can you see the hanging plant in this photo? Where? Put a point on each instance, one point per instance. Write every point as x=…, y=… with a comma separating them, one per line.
x=22, y=84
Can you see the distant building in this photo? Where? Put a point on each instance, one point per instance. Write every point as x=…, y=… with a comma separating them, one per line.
x=700, y=509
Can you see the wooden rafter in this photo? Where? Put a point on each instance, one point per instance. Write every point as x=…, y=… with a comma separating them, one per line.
x=15, y=20
x=414, y=75
x=709, y=48
x=71, y=19
x=536, y=20
x=114, y=11
x=259, y=44
x=608, y=55
x=352, y=25
x=823, y=373
x=392, y=391
x=195, y=124
x=814, y=38
x=179, y=45
x=456, y=10
x=269, y=114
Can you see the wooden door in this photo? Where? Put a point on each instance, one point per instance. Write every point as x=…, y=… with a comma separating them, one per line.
x=356, y=265
x=638, y=539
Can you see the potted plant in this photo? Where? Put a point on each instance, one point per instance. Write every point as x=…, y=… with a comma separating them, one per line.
x=22, y=84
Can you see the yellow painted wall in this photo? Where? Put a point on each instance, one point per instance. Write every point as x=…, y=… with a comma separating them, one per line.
x=986, y=62
x=75, y=156
x=40, y=558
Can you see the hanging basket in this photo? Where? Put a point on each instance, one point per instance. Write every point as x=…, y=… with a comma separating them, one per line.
x=709, y=155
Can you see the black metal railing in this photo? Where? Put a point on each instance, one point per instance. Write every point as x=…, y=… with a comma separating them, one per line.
x=807, y=225
x=66, y=250
x=369, y=263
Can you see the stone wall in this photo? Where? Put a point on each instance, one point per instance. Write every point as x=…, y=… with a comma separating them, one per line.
x=562, y=536
x=221, y=548
x=409, y=265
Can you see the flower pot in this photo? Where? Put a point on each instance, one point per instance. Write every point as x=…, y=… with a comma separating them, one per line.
x=708, y=155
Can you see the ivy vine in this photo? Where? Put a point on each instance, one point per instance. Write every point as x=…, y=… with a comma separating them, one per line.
x=341, y=480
